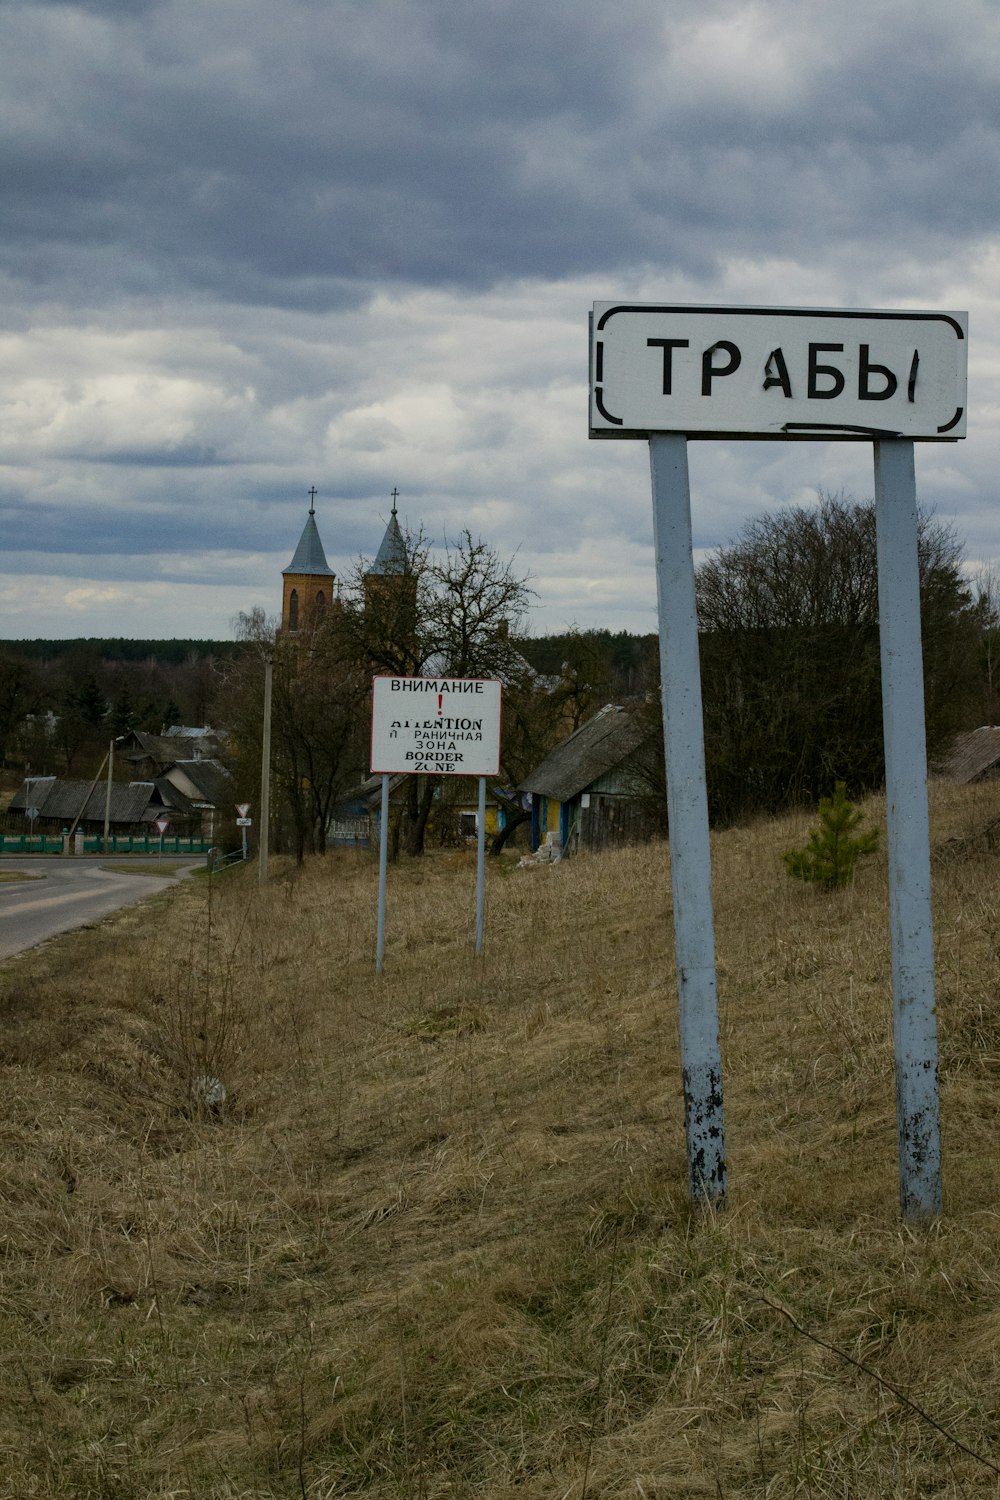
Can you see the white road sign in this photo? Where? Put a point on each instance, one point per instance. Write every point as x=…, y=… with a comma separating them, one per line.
x=244, y=822
x=442, y=726
x=161, y=826
x=242, y=809
x=776, y=372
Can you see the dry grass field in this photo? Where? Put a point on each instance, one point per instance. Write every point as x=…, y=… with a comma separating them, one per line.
x=436, y=1239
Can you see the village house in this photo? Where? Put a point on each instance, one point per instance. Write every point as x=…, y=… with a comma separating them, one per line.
x=974, y=756
x=593, y=791
x=49, y=805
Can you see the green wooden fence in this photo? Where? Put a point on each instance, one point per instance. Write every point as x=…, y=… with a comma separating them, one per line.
x=49, y=843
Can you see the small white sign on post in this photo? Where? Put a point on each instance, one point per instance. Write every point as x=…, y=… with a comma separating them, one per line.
x=434, y=726
x=440, y=726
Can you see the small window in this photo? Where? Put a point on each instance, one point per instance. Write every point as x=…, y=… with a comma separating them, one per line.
x=293, y=611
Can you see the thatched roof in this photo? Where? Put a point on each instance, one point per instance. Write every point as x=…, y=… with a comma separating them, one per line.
x=972, y=755
x=591, y=751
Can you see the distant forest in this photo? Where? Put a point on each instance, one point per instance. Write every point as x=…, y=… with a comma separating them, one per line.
x=618, y=651
x=790, y=669
x=117, y=648
x=61, y=700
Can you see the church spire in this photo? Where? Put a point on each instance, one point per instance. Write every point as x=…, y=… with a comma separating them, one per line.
x=308, y=579
x=309, y=558
x=391, y=556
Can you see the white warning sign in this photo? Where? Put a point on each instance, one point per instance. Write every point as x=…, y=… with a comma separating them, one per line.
x=439, y=726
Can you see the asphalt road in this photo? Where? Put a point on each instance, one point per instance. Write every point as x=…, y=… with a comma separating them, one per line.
x=72, y=892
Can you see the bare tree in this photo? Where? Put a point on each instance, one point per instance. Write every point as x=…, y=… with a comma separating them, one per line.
x=454, y=614
x=318, y=719
x=790, y=653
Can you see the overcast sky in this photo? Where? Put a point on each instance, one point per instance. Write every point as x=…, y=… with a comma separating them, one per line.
x=248, y=248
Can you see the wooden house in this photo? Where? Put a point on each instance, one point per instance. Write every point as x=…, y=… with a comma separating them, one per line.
x=974, y=756
x=205, y=787
x=151, y=754
x=593, y=790
x=356, y=815
x=130, y=808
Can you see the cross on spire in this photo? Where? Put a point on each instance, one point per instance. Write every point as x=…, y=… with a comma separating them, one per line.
x=394, y=497
x=312, y=500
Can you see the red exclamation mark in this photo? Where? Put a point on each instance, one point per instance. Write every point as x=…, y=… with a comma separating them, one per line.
x=440, y=704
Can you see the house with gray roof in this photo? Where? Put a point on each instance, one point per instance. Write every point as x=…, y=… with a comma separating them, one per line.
x=205, y=787
x=151, y=754
x=130, y=807
x=974, y=756
x=593, y=791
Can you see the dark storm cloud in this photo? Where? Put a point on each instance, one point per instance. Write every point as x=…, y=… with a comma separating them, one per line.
x=246, y=247
x=288, y=155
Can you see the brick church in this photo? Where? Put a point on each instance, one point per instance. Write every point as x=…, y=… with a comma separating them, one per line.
x=309, y=583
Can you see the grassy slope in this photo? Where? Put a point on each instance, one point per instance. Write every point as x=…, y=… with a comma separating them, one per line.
x=438, y=1241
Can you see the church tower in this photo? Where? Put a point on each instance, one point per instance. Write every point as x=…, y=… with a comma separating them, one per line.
x=390, y=566
x=308, y=579
x=391, y=589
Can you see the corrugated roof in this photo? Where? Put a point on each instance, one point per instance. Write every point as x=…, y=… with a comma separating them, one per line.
x=972, y=755
x=309, y=555
x=137, y=802
x=591, y=751
x=391, y=555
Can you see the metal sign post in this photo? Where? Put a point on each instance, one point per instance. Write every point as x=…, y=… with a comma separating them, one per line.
x=687, y=812
x=243, y=822
x=480, y=865
x=439, y=726
x=667, y=374
x=914, y=1026
x=383, y=864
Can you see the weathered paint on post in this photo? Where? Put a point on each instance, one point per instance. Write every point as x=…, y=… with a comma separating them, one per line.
x=914, y=1025
x=687, y=807
x=383, y=865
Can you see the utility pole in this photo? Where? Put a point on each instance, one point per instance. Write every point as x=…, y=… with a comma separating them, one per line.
x=265, y=776
x=107, y=799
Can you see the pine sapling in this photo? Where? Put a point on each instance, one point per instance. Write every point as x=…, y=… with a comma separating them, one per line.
x=832, y=851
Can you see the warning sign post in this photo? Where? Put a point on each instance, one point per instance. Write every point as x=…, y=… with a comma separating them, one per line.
x=434, y=726
x=440, y=726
